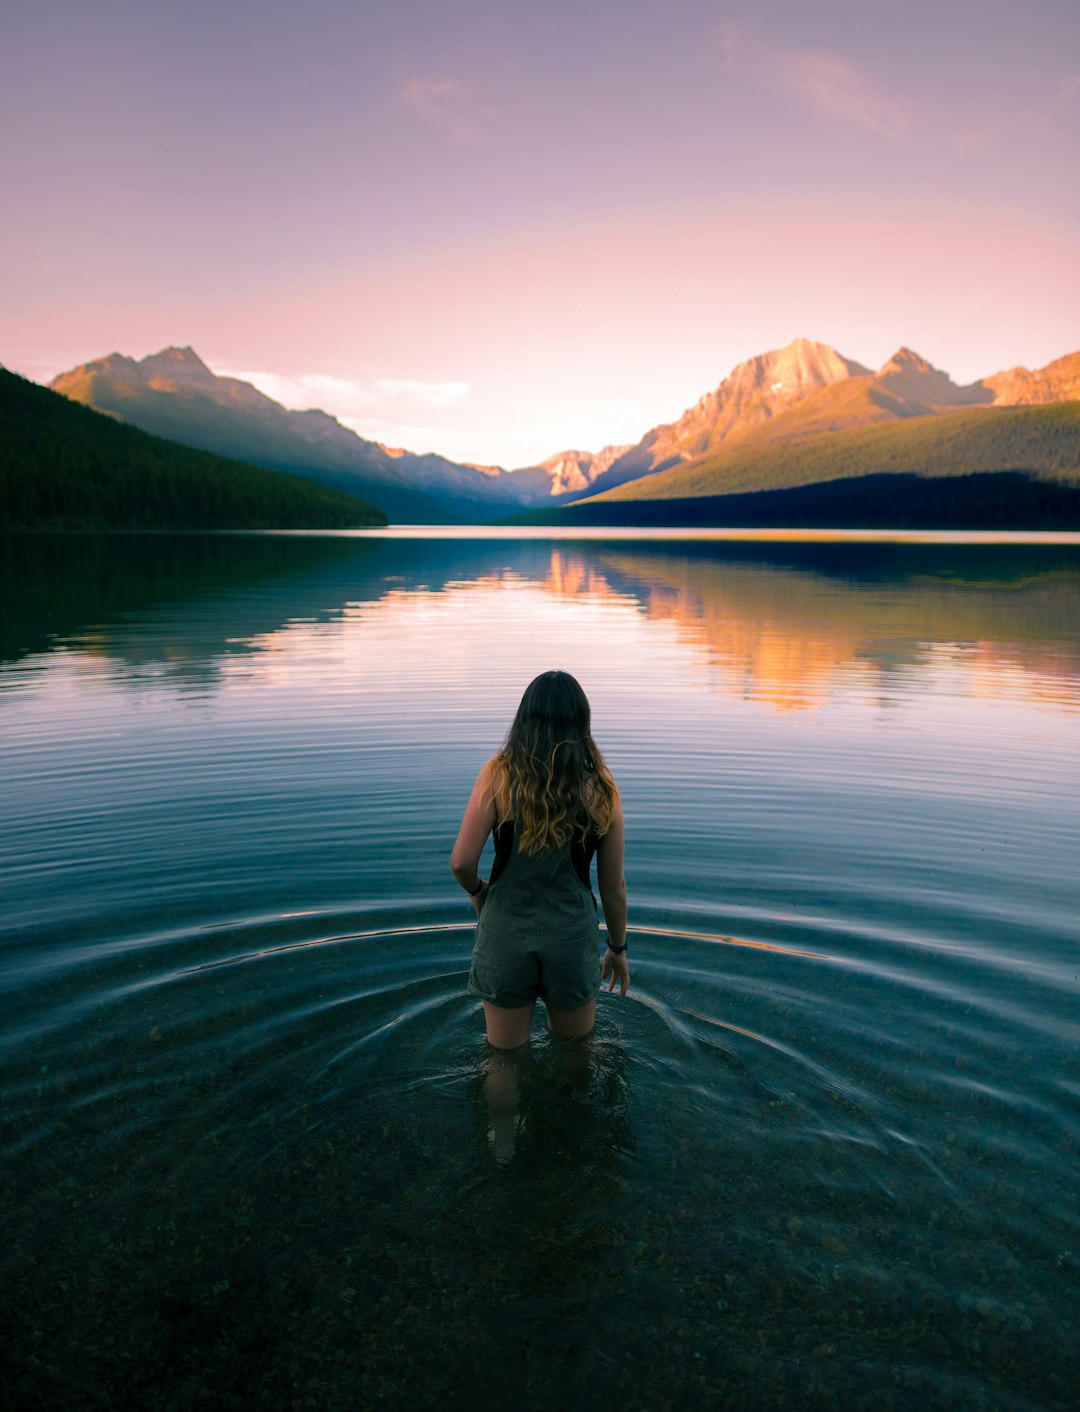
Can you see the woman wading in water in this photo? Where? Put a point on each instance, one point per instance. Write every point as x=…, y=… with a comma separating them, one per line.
x=551, y=803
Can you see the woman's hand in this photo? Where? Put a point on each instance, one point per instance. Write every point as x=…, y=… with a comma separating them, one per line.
x=618, y=968
x=477, y=899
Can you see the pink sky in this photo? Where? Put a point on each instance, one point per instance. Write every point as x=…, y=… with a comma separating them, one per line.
x=497, y=232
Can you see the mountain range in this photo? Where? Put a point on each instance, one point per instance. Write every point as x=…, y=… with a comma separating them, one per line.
x=173, y=394
x=796, y=416
x=786, y=399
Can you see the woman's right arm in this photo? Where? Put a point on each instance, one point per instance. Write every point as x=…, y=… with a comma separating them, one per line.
x=478, y=822
x=612, y=885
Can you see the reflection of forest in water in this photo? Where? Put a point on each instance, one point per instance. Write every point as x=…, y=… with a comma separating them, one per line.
x=782, y=618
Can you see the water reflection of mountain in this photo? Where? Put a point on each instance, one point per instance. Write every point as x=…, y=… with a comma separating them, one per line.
x=787, y=623
x=782, y=616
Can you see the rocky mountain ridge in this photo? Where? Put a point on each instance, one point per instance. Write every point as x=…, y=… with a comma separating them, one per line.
x=807, y=389
x=789, y=395
x=1059, y=381
x=572, y=471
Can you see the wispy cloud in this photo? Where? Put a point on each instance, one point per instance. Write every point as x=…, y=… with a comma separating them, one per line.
x=372, y=402
x=431, y=394
x=451, y=104
x=827, y=80
x=837, y=87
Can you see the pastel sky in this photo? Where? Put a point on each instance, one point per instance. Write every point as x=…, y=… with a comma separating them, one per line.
x=499, y=229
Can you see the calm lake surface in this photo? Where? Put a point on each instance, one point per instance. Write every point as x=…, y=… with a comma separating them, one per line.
x=825, y=1154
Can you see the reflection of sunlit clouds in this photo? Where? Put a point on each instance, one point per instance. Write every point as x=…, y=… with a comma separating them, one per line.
x=1022, y=672
x=417, y=639
x=993, y=671
x=139, y=669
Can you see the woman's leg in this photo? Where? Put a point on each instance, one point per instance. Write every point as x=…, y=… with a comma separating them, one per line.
x=508, y=1028
x=572, y=1024
x=508, y=1034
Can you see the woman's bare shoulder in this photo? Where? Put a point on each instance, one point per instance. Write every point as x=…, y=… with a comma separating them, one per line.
x=595, y=804
x=496, y=785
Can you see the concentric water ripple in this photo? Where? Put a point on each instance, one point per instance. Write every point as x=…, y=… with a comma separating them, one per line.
x=822, y=1155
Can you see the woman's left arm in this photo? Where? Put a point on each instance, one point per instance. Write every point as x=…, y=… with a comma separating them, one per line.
x=478, y=822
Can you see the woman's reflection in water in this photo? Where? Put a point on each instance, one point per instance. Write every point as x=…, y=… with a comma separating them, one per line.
x=567, y=1068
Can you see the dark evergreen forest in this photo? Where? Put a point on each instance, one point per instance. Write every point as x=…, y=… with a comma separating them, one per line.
x=986, y=500
x=63, y=466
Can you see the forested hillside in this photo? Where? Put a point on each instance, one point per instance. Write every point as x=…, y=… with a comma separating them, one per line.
x=1042, y=440
x=991, y=500
x=63, y=466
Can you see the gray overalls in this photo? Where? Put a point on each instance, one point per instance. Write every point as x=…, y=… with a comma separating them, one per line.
x=537, y=936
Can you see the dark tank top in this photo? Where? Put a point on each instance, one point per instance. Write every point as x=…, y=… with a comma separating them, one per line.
x=537, y=896
x=581, y=852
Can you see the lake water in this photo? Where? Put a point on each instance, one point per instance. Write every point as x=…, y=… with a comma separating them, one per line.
x=825, y=1153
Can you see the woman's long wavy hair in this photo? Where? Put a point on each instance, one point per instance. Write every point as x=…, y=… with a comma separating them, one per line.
x=550, y=774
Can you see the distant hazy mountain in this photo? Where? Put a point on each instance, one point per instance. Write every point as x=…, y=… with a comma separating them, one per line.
x=65, y=467
x=571, y=471
x=175, y=395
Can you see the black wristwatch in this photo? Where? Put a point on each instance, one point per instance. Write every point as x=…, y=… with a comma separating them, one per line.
x=616, y=950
